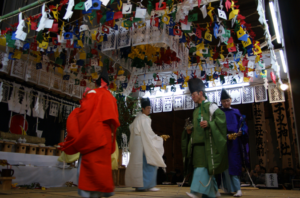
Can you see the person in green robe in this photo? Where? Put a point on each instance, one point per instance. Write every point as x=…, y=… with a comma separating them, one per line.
x=207, y=147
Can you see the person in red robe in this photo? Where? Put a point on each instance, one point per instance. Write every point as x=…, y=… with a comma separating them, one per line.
x=91, y=131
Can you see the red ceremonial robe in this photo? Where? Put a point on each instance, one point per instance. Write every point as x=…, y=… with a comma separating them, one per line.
x=92, y=123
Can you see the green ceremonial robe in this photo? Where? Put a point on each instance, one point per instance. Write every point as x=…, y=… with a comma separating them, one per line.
x=207, y=147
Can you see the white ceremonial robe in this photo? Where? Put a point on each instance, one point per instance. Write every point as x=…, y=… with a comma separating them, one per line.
x=142, y=140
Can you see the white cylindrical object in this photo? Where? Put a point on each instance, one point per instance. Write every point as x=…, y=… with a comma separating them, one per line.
x=284, y=66
x=275, y=22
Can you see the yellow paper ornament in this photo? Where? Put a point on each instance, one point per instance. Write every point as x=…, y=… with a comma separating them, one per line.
x=257, y=59
x=240, y=33
x=222, y=56
x=95, y=75
x=28, y=24
x=198, y=53
x=208, y=36
x=185, y=84
x=79, y=42
x=56, y=54
x=59, y=70
x=3, y=41
x=246, y=79
x=256, y=49
x=235, y=67
x=233, y=13
x=250, y=70
x=114, y=86
x=55, y=12
x=141, y=24
x=44, y=45
x=210, y=12
x=120, y=6
x=200, y=67
x=165, y=19
x=100, y=63
x=17, y=54
x=62, y=29
x=91, y=19
x=82, y=56
x=246, y=43
x=121, y=71
x=94, y=35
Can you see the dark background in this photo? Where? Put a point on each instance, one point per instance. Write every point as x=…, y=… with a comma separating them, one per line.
x=49, y=125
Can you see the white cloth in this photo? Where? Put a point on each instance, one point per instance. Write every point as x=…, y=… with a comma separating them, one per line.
x=29, y=159
x=38, y=168
x=142, y=140
x=46, y=176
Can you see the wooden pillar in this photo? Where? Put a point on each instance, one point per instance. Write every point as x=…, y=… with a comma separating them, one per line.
x=270, y=145
x=260, y=132
x=291, y=119
x=291, y=44
x=281, y=126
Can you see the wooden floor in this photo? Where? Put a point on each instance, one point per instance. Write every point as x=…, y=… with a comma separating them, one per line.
x=166, y=191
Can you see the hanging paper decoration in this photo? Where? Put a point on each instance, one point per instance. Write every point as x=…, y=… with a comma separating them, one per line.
x=167, y=104
x=178, y=103
x=158, y=105
x=127, y=8
x=53, y=111
x=188, y=102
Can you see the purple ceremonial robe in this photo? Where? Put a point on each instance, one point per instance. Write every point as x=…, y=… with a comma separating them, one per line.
x=236, y=147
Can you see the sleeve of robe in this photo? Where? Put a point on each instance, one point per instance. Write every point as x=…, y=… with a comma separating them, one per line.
x=153, y=144
x=114, y=158
x=218, y=129
x=97, y=113
x=68, y=158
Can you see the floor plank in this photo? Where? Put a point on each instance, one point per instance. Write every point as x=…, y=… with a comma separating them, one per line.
x=165, y=191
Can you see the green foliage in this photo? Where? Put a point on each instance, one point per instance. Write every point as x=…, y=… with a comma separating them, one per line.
x=125, y=109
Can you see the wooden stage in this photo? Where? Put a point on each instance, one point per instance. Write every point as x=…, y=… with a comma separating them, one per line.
x=166, y=191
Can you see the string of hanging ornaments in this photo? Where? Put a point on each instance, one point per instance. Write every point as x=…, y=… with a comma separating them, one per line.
x=210, y=38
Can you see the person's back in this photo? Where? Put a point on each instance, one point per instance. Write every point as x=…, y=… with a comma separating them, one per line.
x=97, y=122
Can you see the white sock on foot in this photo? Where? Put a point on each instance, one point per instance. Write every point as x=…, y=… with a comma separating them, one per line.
x=154, y=189
x=238, y=193
x=192, y=195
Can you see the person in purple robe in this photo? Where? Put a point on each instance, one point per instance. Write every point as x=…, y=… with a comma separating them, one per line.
x=237, y=146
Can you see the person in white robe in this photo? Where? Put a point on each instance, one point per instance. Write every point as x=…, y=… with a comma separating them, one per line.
x=146, y=150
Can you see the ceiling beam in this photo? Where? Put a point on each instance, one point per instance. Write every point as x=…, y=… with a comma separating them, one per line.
x=264, y=44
